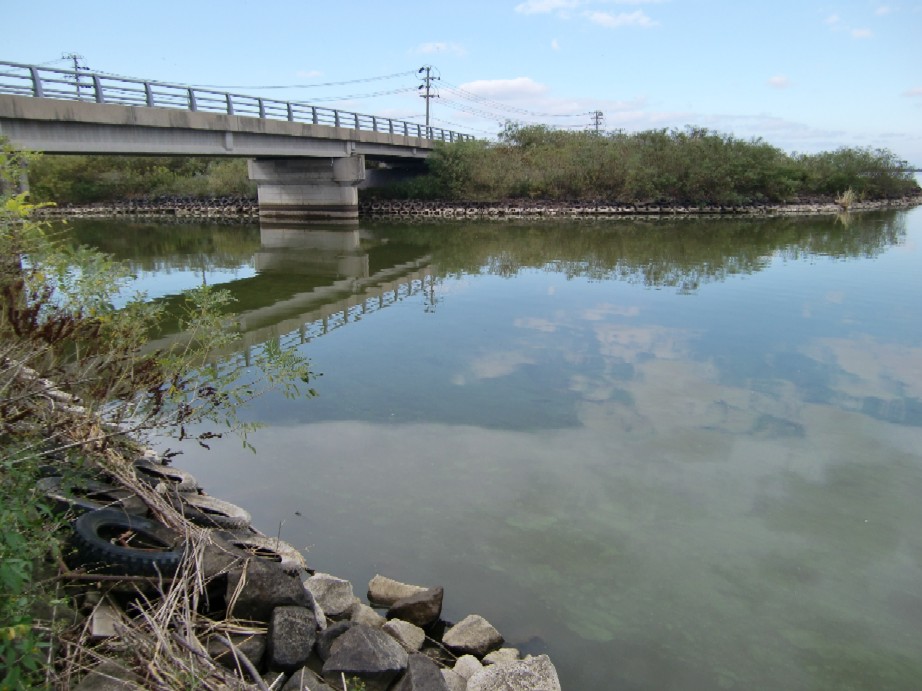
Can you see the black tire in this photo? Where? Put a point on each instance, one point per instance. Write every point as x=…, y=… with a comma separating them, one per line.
x=79, y=496
x=270, y=549
x=155, y=549
x=209, y=512
x=176, y=480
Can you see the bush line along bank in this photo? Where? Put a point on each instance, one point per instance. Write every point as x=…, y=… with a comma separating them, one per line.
x=692, y=167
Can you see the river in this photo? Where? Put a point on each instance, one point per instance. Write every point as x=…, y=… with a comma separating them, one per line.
x=671, y=454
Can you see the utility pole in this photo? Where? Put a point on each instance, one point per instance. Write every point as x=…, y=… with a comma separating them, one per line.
x=77, y=67
x=597, y=120
x=427, y=85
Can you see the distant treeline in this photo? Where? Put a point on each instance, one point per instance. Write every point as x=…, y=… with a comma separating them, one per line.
x=88, y=179
x=693, y=166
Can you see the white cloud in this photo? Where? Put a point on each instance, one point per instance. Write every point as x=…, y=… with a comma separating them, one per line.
x=555, y=45
x=615, y=21
x=882, y=10
x=779, y=81
x=545, y=6
x=833, y=20
x=862, y=33
x=440, y=47
x=915, y=92
x=507, y=89
x=308, y=74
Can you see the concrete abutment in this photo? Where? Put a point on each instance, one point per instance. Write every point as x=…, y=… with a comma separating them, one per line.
x=307, y=191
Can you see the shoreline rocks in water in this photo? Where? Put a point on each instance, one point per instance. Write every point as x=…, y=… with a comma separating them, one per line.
x=238, y=209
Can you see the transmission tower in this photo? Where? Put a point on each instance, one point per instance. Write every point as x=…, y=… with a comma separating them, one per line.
x=597, y=118
x=427, y=85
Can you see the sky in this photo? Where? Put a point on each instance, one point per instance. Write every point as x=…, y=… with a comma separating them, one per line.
x=803, y=75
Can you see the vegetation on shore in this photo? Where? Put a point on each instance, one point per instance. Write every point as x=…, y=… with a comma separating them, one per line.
x=78, y=390
x=693, y=167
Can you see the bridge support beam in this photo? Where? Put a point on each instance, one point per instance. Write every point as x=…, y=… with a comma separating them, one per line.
x=306, y=191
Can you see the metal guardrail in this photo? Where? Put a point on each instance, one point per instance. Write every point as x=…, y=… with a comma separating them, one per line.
x=81, y=85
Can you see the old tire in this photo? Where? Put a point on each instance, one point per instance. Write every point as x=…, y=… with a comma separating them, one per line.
x=174, y=479
x=113, y=542
x=270, y=549
x=79, y=496
x=209, y=512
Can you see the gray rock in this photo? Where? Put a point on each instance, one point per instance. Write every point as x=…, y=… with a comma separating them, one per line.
x=264, y=588
x=305, y=680
x=333, y=594
x=474, y=635
x=386, y=591
x=291, y=636
x=530, y=674
x=421, y=609
x=422, y=675
x=410, y=636
x=109, y=676
x=454, y=681
x=328, y=636
x=253, y=646
x=363, y=614
x=467, y=665
x=367, y=653
x=501, y=655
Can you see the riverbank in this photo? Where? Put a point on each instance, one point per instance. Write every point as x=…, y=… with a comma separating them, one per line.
x=244, y=210
x=164, y=585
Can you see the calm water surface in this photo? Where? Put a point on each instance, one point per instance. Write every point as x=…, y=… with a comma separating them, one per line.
x=673, y=455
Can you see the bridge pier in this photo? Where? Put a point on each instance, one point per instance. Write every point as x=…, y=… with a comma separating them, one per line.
x=306, y=191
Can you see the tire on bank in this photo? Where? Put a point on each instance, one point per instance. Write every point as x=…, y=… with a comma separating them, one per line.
x=110, y=541
x=270, y=549
x=174, y=479
x=209, y=512
x=78, y=496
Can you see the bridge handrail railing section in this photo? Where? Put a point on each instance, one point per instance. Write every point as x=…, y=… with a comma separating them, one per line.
x=80, y=85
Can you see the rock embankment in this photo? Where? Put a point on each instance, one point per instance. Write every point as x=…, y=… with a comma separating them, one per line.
x=535, y=209
x=242, y=208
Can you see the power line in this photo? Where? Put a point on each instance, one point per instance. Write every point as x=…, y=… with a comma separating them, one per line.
x=504, y=107
x=427, y=85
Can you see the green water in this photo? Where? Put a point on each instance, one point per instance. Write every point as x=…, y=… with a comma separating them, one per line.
x=673, y=455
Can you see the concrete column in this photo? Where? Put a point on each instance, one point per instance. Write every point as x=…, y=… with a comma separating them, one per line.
x=304, y=191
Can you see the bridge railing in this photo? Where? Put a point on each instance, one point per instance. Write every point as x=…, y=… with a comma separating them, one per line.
x=82, y=85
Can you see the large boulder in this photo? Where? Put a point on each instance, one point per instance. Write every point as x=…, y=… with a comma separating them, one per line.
x=264, y=588
x=472, y=635
x=386, y=591
x=305, y=680
x=363, y=614
x=421, y=609
x=367, y=653
x=453, y=680
x=466, y=666
x=327, y=637
x=530, y=674
x=290, y=639
x=410, y=636
x=334, y=595
x=422, y=675
x=252, y=646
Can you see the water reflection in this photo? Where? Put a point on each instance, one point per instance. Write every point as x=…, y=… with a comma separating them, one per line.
x=675, y=455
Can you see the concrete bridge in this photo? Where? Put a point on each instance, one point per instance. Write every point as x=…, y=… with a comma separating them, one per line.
x=307, y=161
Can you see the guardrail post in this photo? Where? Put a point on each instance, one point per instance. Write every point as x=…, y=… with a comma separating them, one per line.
x=291, y=112
x=406, y=131
x=356, y=120
x=230, y=104
x=336, y=118
x=262, y=109
x=192, y=104
x=390, y=126
x=149, y=94
x=314, y=117
x=374, y=123
x=36, y=83
x=97, y=87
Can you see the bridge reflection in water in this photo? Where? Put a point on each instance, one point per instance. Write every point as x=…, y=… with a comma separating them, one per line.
x=341, y=286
